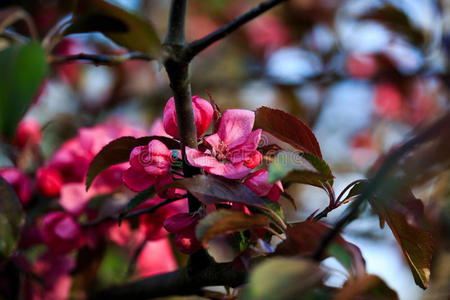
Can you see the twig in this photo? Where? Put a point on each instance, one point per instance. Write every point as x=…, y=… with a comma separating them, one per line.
x=197, y=46
x=99, y=59
x=389, y=163
x=132, y=214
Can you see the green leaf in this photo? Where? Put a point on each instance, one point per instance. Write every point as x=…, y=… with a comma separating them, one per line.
x=211, y=189
x=23, y=69
x=282, y=278
x=136, y=200
x=293, y=167
x=287, y=128
x=126, y=29
x=404, y=214
x=11, y=219
x=118, y=151
x=224, y=221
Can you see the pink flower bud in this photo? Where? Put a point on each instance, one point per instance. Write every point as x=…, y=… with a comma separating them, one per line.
x=183, y=226
x=253, y=160
x=61, y=233
x=28, y=133
x=203, y=112
x=153, y=159
x=48, y=182
x=19, y=182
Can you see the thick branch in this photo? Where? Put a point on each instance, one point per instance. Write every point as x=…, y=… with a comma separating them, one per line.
x=441, y=126
x=177, y=67
x=199, y=45
x=99, y=59
x=179, y=282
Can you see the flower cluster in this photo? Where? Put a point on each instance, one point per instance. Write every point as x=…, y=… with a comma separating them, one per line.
x=231, y=152
x=57, y=195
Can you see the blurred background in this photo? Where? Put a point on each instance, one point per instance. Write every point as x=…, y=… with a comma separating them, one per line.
x=364, y=75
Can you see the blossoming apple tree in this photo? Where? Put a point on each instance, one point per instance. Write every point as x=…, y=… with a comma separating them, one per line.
x=203, y=182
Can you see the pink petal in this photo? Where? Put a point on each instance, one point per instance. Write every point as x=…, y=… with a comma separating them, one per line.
x=238, y=152
x=200, y=159
x=236, y=125
x=203, y=113
x=213, y=140
x=137, y=181
x=139, y=156
x=179, y=222
x=229, y=170
x=258, y=182
x=170, y=118
x=155, y=258
x=74, y=198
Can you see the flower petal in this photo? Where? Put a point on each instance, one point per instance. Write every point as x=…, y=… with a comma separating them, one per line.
x=137, y=181
x=236, y=125
x=239, y=152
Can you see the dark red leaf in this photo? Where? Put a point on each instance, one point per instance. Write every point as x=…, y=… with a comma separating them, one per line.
x=305, y=237
x=287, y=128
x=210, y=189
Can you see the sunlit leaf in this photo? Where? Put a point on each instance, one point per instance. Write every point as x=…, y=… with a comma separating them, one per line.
x=225, y=221
x=287, y=128
x=210, y=189
x=282, y=278
x=11, y=219
x=123, y=27
x=118, y=151
x=23, y=70
x=293, y=167
x=404, y=214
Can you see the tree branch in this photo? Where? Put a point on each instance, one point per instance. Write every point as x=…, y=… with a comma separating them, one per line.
x=197, y=46
x=179, y=282
x=99, y=59
x=177, y=67
x=378, y=180
x=133, y=214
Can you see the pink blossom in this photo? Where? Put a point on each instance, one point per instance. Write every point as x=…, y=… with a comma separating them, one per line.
x=147, y=164
x=258, y=182
x=183, y=226
x=55, y=270
x=155, y=258
x=233, y=151
x=120, y=235
x=28, y=133
x=152, y=224
x=73, y=158
x=19, y=182
x=203, y=113
x=61, y=233
x=74, y=198
x=48, y=182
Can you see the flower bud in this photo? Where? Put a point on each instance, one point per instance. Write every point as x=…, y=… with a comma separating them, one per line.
x=61, y=233
x=203, y=112
x=48, y=182
x=28, y=132
x=19, y=182
x=183, y=226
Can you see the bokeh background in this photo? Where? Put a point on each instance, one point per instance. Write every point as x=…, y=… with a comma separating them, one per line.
x=365, y=75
